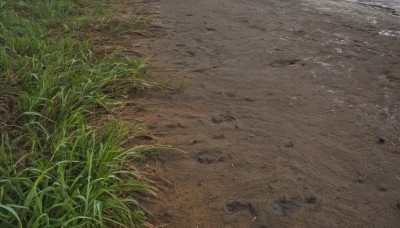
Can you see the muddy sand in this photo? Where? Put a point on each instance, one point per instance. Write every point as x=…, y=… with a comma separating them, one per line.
x=290, y=117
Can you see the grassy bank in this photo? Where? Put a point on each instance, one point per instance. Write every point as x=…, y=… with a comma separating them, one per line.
x=56, y=169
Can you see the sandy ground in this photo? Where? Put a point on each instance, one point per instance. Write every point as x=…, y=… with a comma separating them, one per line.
x=290, y=117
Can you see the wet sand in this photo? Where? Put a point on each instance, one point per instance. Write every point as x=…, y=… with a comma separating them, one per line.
x=290, y=117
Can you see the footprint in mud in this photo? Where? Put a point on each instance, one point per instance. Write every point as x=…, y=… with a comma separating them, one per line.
x=219, y=136
x=209, y=156
x=235, y=207
x=284, y=63
x=285, y=207
x=228, y=117
x=230, y=94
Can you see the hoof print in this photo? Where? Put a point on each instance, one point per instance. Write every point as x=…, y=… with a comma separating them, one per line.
x=209, y=156
x=235, y=207
x=285, y=207
x=228, y=117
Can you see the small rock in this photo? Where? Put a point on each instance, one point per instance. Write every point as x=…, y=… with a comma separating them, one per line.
x=194, y=141
x=398, y=205
x=310, y=197
x=361, y=179
x=381, y=140
x=202, y=159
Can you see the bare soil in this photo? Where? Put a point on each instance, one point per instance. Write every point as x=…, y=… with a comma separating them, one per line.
x=290, y=117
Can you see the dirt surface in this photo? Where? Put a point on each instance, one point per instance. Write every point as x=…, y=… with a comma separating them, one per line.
x=290, y=117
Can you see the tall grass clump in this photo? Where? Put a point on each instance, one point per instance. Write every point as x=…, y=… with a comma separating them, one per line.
x=56, y=169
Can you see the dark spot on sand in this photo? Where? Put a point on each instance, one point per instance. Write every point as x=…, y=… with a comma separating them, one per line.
x=288, y=144
x=309, y=197
x=382, y=189
x=284, y=63
x=249, y=99
x=210, y=29
x=200, y=70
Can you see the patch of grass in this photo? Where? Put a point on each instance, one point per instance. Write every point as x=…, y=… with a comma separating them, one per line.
x=56, y=170
x=120, y=25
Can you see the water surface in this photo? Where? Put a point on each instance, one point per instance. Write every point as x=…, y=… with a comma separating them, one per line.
x=391, y=5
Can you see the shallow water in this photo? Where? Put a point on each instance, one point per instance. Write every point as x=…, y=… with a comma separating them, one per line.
x=392, y=5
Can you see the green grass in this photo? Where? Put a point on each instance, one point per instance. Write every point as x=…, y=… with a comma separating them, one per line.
x=56, y=169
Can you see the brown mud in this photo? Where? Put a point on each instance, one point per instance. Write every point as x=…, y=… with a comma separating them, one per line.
x=290, y=117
